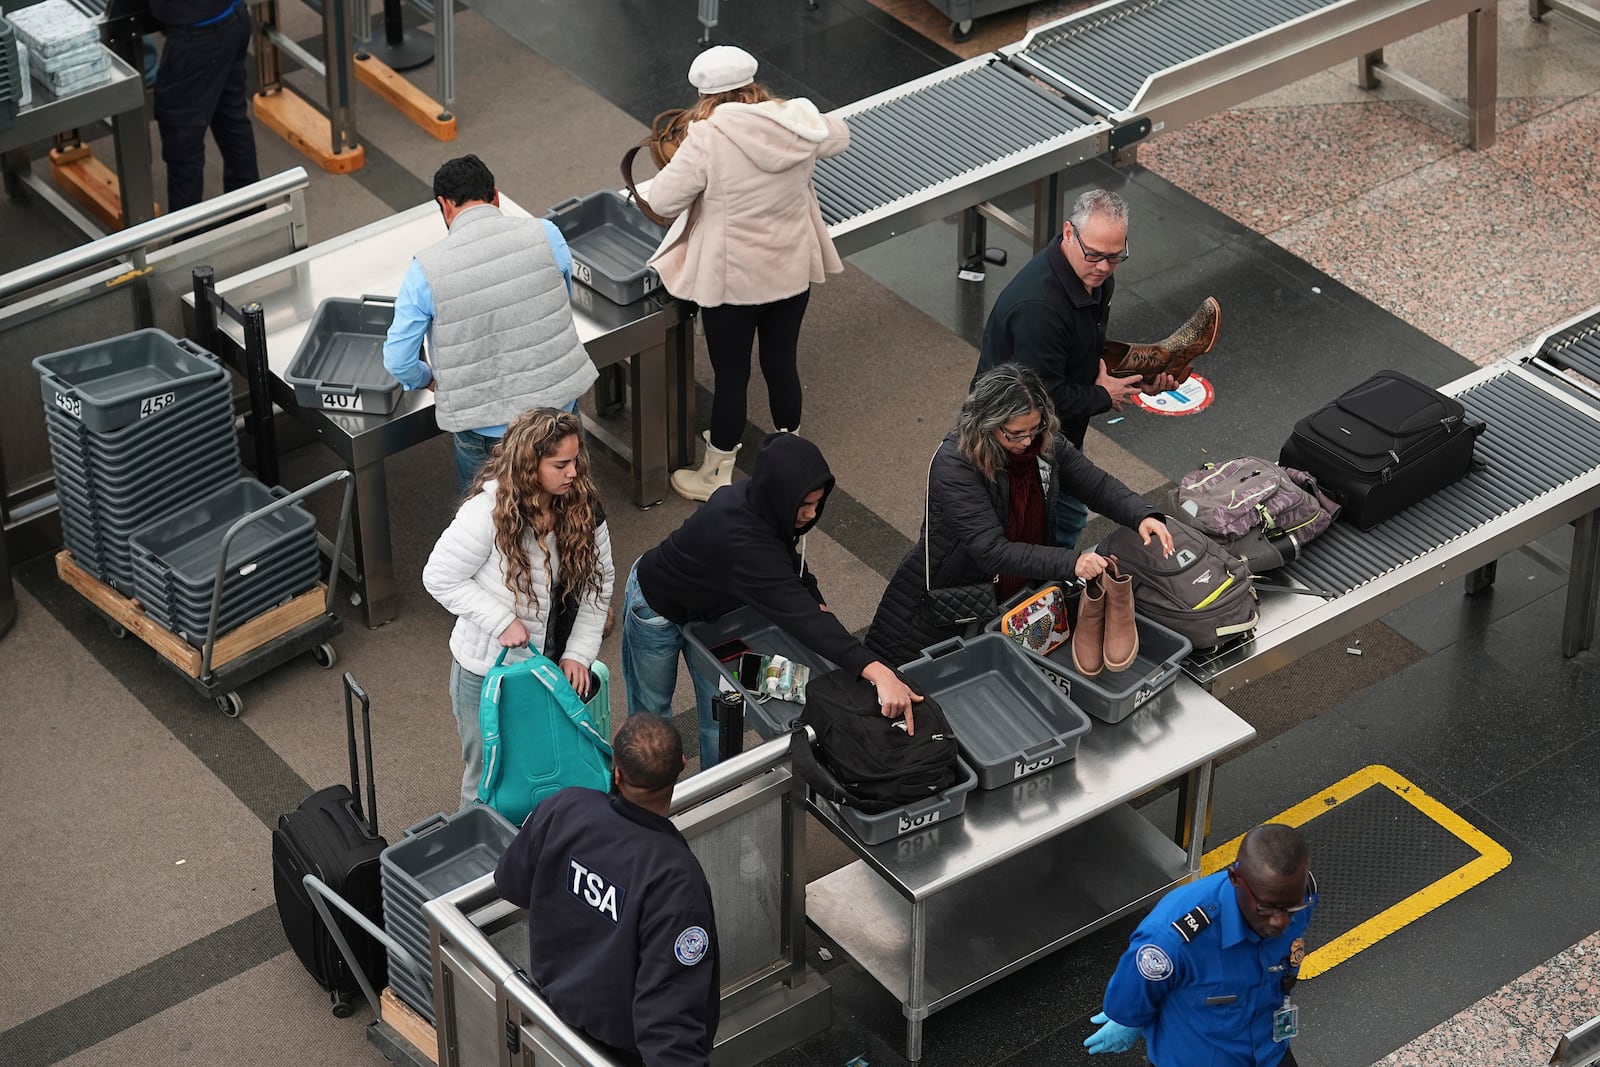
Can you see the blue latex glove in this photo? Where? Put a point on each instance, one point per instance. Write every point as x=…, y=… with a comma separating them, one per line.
x=1111, y=1037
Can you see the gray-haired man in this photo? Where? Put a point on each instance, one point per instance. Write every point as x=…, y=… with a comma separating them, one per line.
x=1052, y=317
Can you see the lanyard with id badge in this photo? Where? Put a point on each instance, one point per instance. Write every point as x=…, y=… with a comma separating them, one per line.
x=1286, y=1020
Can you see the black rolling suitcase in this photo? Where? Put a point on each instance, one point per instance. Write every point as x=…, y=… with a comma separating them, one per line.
x=1383, y=445
x=328, y=836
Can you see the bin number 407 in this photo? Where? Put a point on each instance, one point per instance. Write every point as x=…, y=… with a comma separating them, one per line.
x=152, y=404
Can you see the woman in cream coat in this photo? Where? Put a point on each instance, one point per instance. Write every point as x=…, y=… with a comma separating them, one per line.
x=747, y=243
x=531, y=523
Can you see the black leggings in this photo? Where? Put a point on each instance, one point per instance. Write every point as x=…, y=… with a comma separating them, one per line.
x=730, y=331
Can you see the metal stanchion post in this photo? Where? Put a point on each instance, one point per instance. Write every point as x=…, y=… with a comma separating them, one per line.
x=400, y=48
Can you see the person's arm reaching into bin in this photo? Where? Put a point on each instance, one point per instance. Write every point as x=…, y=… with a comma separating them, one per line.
x=413, y=314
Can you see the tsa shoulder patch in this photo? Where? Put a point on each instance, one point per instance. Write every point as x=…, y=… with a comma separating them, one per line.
x=1191, y=923
x=1154, y=964
x=691, y=946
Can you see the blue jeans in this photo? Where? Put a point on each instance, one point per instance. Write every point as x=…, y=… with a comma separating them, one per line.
x=465, y=690
x=651, y=644
x=1071, y=518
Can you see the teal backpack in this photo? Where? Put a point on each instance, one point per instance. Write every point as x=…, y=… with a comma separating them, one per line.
x=539, y=736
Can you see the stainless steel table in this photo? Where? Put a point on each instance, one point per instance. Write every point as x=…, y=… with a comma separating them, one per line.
x=652, y=335
x=122, y=101
x=1029, y=868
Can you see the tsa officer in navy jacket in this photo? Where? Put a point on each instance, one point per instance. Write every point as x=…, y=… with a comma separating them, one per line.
x=1207, y=975
x=621, y=936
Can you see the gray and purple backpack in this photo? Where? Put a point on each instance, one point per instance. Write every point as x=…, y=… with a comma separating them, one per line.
x=1256, y=510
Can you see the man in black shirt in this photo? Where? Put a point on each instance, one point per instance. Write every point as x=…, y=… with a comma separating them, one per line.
x=622, y=940
x=1052, y=317
x=199, y=85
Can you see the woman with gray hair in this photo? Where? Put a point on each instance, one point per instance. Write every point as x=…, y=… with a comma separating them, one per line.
x=992, y=488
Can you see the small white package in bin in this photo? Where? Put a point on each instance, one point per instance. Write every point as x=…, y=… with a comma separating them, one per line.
x=89, y=68
x=52, y=27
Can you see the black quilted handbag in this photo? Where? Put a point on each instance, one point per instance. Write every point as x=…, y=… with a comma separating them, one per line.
x=949, y=607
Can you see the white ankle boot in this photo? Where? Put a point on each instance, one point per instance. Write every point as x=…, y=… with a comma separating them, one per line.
x=715, y=471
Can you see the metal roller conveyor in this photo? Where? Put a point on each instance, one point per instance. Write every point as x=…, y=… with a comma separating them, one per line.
x=1172, y=62
x=945, y=142
x=1534, y=445
x=1575, y=350
x=1541, y=470
x=1103, y=80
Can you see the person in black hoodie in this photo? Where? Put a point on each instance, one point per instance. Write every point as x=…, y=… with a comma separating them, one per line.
x=743, y=547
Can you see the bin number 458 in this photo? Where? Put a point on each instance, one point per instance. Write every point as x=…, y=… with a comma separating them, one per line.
x=152, y=404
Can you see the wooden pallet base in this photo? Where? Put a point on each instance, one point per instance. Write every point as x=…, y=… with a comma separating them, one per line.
x=89, y=182
x=168, y=645
x=423, y=110
x=291, y=117
x=409, y=1025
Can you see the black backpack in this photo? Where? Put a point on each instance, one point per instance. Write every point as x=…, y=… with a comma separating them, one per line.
x=869, y=762
x=1199, y=591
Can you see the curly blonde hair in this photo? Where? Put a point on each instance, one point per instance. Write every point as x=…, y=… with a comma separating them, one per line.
x=519, y=511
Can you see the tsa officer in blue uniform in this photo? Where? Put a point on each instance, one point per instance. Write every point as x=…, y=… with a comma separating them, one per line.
x=621, y=936
x=1207, y=976
x=200, y=84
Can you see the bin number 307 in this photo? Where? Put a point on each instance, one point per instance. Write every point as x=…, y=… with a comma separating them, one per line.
x=152, y=404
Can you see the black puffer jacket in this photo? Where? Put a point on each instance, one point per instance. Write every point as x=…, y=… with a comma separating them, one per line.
x=968, y=539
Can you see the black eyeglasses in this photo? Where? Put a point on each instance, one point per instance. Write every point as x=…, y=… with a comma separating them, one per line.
x=1020, y=438
x=1267, y=911
x=1102, y=257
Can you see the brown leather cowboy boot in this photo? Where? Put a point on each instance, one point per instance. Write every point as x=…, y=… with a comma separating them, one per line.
x=1122, y=634
x=1173, y=356
x=1088, y=637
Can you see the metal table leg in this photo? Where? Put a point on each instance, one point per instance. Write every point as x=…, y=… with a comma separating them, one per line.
x=131, y=138
x=370, y=544
x=648, y=371
x=917, y=994
x=1194, y=813
x=1482, y=578
x=1583, y=586
x=680, y=394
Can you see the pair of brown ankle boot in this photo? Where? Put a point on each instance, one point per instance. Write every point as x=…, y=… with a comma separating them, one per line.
x=1172, y=356
x=1106, y=637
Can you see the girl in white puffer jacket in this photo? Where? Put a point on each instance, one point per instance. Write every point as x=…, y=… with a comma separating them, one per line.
x=529, y=539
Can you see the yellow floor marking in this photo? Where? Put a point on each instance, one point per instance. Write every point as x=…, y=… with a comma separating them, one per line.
x=1492, y=858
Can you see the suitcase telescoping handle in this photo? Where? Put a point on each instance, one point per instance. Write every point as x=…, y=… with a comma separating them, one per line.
x=352, y=693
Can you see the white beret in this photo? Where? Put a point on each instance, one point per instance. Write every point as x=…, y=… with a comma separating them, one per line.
x=722, y=69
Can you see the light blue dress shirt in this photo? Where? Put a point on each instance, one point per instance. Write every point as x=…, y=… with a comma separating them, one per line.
x=413, y=318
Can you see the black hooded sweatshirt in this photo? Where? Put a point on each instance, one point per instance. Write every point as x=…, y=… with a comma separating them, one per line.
x=741, y=547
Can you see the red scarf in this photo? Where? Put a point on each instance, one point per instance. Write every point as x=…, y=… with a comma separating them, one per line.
x=1025, y=510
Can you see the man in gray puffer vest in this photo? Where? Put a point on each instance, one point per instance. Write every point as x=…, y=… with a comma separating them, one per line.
x=493, y=300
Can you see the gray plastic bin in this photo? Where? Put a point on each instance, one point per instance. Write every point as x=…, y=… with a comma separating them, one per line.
x=339, y=364
x=1113, y=695
x=611, y=243
x=212, y=404
x=109, y=384
x=435, y=856
x=1010, y=720
x=897, y=822
x=769, y=718
x=188, y=542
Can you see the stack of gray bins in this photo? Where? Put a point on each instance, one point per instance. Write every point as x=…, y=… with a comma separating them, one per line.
x=270, y=560
x=436, y=856
x=140, y=426
x=63, y=43
x=13, y=75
